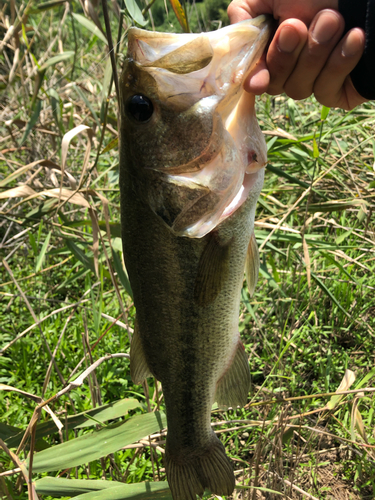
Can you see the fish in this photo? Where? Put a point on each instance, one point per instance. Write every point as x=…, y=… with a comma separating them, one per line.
x=192, y=160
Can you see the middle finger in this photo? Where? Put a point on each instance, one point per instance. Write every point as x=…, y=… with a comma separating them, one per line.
x=324, y=33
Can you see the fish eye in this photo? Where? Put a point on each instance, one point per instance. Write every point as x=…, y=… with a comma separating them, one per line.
x=140, y=108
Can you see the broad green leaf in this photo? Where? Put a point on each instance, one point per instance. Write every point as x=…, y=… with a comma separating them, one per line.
x=324, y=112
x=137, y=491
x=110, y=412
x=7, y=431
x=117, y=261
x=180, y=14
x=59, y=486
x=42, y=254
x=111, y=145
x=86, y=23
x=135, y=12
x=98, y=444
x=33, y=120
x=56, y=59
x=343, y=236
x=101, y=413
x=87, y=489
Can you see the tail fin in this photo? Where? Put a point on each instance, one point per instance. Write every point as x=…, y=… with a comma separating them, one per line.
x=211, y=469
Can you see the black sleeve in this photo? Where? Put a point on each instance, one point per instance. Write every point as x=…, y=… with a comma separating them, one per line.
x=361, y=14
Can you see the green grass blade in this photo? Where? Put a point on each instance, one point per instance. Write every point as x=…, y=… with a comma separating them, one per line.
x=42, y=254
x=57, y=59
x=117, y=261
x=86, y=23
x=101, y=413
x=328, y=293
x=87, y=488
x=33, y=120
x=98, y=444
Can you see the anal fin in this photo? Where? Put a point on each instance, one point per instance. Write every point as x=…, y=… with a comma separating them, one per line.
x=234, y=386
x=252, y=265
x=139, y=369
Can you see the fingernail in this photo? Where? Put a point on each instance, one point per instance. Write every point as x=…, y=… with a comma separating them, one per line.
x=325, y=27
x=353, y=44
x=288, y=39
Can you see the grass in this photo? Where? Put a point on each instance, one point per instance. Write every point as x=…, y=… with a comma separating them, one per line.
x=65, y=301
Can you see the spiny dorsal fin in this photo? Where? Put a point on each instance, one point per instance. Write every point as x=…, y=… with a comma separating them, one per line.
x=252, y=265
x=213, y=270
x=139, y=369
x=234, y=386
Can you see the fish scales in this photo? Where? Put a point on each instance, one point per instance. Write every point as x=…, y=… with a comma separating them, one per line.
x=186, y=230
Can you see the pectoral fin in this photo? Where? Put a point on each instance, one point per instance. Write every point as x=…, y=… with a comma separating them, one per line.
x=234, y=386
x=252, y=265
x=212, y=272
x=139, y=369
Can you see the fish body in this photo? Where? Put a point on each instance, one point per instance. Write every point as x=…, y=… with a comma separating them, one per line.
x=191, y=170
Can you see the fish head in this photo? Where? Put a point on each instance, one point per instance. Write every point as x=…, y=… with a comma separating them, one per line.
x=190, y=143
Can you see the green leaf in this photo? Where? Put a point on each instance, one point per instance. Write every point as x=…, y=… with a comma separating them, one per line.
x=180, y=14
x=7, y=431
x=88, y=104
x=111, y=145
x=98, y=444
x=80, y=255
x=33, y=120
x=86, y=23
x=329, y=293
x=46, y=6
x=101, y=413
x=324, y=112
x=117, y=261
x=59, y=486
x=291, y=178
x=56, y=59
x=109, y=412
x=343, y=236
x=106, y=490
x=135, y=12
x=42, y=254
x=339, y=266
x=137, y=491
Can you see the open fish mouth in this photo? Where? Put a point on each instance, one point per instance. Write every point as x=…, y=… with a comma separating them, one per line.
x=199, y=79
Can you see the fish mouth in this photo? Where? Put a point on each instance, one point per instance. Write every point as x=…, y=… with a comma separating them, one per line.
x=204, y=74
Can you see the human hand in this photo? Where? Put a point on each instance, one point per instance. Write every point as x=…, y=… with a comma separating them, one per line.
x=307, y=54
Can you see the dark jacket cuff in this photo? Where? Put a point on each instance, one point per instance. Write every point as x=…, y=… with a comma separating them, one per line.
x=361, y=14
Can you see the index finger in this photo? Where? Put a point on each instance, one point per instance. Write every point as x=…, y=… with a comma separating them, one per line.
x=239, y=10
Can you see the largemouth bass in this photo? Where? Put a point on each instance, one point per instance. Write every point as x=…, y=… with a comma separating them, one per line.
x=191, y=170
